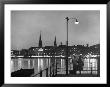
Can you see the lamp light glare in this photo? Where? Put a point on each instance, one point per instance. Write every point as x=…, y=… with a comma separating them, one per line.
x=76, y=22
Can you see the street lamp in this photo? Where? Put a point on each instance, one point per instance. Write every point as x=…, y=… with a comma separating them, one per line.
x=76, y=22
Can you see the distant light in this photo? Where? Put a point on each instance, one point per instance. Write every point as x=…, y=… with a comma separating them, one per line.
x=40, y=49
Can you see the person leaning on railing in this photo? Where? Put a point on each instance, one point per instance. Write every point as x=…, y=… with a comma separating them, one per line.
x=75, y=65
x=80, y=64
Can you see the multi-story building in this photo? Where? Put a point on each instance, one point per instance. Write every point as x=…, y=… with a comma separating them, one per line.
x=58, y=50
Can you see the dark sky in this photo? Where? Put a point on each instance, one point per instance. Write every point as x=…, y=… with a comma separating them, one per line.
x=26, y=27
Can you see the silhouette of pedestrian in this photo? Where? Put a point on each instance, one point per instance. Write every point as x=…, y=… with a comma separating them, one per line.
x=75, y=66
x=80, y=64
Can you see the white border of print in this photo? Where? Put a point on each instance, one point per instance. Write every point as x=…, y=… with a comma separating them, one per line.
x=50, y=80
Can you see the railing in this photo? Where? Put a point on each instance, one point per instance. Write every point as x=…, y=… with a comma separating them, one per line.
x=93, y=68
x=52, y=70
x=49, y=72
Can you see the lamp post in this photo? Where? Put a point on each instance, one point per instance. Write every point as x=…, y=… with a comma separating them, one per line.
x=76, y=22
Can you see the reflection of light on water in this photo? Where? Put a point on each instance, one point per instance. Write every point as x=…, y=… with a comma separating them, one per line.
x=19, y=63
x=41, y=63
x=33, y=63
x=47, y=62
x=28, y=64
x=38, y=64
x=12, y=66
x=90, y=63
x=61, y=64
x=93, y=64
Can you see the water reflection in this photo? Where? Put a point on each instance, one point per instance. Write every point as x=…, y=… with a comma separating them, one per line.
x=36, y=63
x=43, y=63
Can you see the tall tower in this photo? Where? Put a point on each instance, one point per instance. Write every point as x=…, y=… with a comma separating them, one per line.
x=61, y=43
x=87, y=45
x=55, y=44
x=40, y=41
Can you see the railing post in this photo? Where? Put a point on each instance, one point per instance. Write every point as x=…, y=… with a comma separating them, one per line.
x=56, y=69
x=41, y=73
x=91, y=68
x=98, y=66
x=47, y=72
x=53, y=70
x=50, y=71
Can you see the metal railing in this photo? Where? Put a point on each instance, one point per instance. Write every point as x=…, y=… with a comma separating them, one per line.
x=53, y=69
x=49, y=72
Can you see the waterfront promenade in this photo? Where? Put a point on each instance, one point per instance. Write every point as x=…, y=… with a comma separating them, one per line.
x=55, y=67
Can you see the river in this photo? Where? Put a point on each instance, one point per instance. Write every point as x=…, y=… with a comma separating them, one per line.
x=43, y=63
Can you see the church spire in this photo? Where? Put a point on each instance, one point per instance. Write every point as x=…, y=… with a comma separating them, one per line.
x=55, y=44
x=40, y=41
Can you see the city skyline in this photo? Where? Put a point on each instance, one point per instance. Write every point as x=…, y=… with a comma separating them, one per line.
x=26, y=27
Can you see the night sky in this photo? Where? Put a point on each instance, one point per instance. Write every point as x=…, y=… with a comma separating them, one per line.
x=26, y=27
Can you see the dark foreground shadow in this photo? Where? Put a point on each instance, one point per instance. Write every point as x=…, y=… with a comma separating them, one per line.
x=22, y=73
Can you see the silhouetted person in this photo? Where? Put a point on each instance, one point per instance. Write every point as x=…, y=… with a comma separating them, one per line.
x=75, y=65
x=80, y=64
